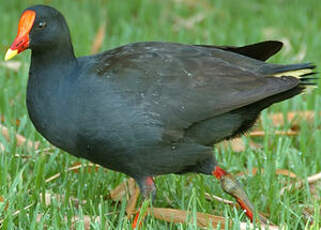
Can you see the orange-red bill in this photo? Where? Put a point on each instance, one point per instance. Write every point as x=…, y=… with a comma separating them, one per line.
x=21, y=41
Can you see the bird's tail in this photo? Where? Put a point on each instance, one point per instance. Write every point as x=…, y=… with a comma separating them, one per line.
x=303, y=72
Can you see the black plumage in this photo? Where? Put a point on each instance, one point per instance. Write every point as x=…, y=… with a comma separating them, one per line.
x=150, y=108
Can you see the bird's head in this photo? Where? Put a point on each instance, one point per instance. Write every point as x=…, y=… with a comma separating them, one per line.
x=40, y=28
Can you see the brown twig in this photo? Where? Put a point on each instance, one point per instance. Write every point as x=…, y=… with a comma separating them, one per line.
x=299, y=184
x=261, y=133
x=213, y=197
x=69, y=169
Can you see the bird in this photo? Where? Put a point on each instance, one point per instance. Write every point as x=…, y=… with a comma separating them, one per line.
x=150, y=108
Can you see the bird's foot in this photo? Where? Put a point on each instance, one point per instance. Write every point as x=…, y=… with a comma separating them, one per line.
x=148, y=190
x=231, y=186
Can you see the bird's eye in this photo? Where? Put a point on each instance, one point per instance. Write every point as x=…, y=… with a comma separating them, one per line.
x=42, y=25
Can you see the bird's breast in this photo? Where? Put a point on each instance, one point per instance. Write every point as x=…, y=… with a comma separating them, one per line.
x=50, y=111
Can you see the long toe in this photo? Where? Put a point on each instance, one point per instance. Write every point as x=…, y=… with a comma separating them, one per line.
x=234, y=188
x=231, y=186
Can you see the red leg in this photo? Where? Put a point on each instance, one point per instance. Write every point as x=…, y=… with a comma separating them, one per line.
x=148, y=190
x=134, y=224
x=231, y=186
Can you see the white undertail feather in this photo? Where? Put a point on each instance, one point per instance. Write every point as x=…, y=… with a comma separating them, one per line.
x=300, y=74
x=294, y=73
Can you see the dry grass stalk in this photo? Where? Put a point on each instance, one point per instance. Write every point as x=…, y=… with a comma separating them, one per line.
x=73, y=168
x=260, y=133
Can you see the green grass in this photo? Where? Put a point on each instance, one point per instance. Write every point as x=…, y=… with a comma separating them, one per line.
x=234, y=22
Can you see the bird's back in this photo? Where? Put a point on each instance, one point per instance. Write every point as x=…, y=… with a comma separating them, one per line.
x=151, y=100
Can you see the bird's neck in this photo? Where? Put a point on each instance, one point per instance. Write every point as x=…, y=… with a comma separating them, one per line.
x=51, y=76
x=56, y=57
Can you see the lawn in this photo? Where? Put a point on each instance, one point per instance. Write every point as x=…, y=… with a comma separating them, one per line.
x=24, y=169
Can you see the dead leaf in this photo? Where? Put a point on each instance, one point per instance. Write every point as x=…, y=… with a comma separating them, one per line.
x=285, y=172
x=99, y=39
x=203, y=219
x=21, y=140
x=127, y=187
x=134, y=193
x=119, y=192
x=12, y=65
x=180, y=216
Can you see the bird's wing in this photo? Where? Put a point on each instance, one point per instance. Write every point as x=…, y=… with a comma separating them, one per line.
x=260, y=51
x=181, y=85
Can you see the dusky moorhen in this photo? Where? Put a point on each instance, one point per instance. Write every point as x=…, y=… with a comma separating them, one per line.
x=149, y=108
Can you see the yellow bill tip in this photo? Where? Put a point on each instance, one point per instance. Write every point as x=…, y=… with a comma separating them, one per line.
x=10, y=54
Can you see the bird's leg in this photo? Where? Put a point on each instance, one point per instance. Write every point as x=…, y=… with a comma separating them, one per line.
x=148, y=190
x=231, y=186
